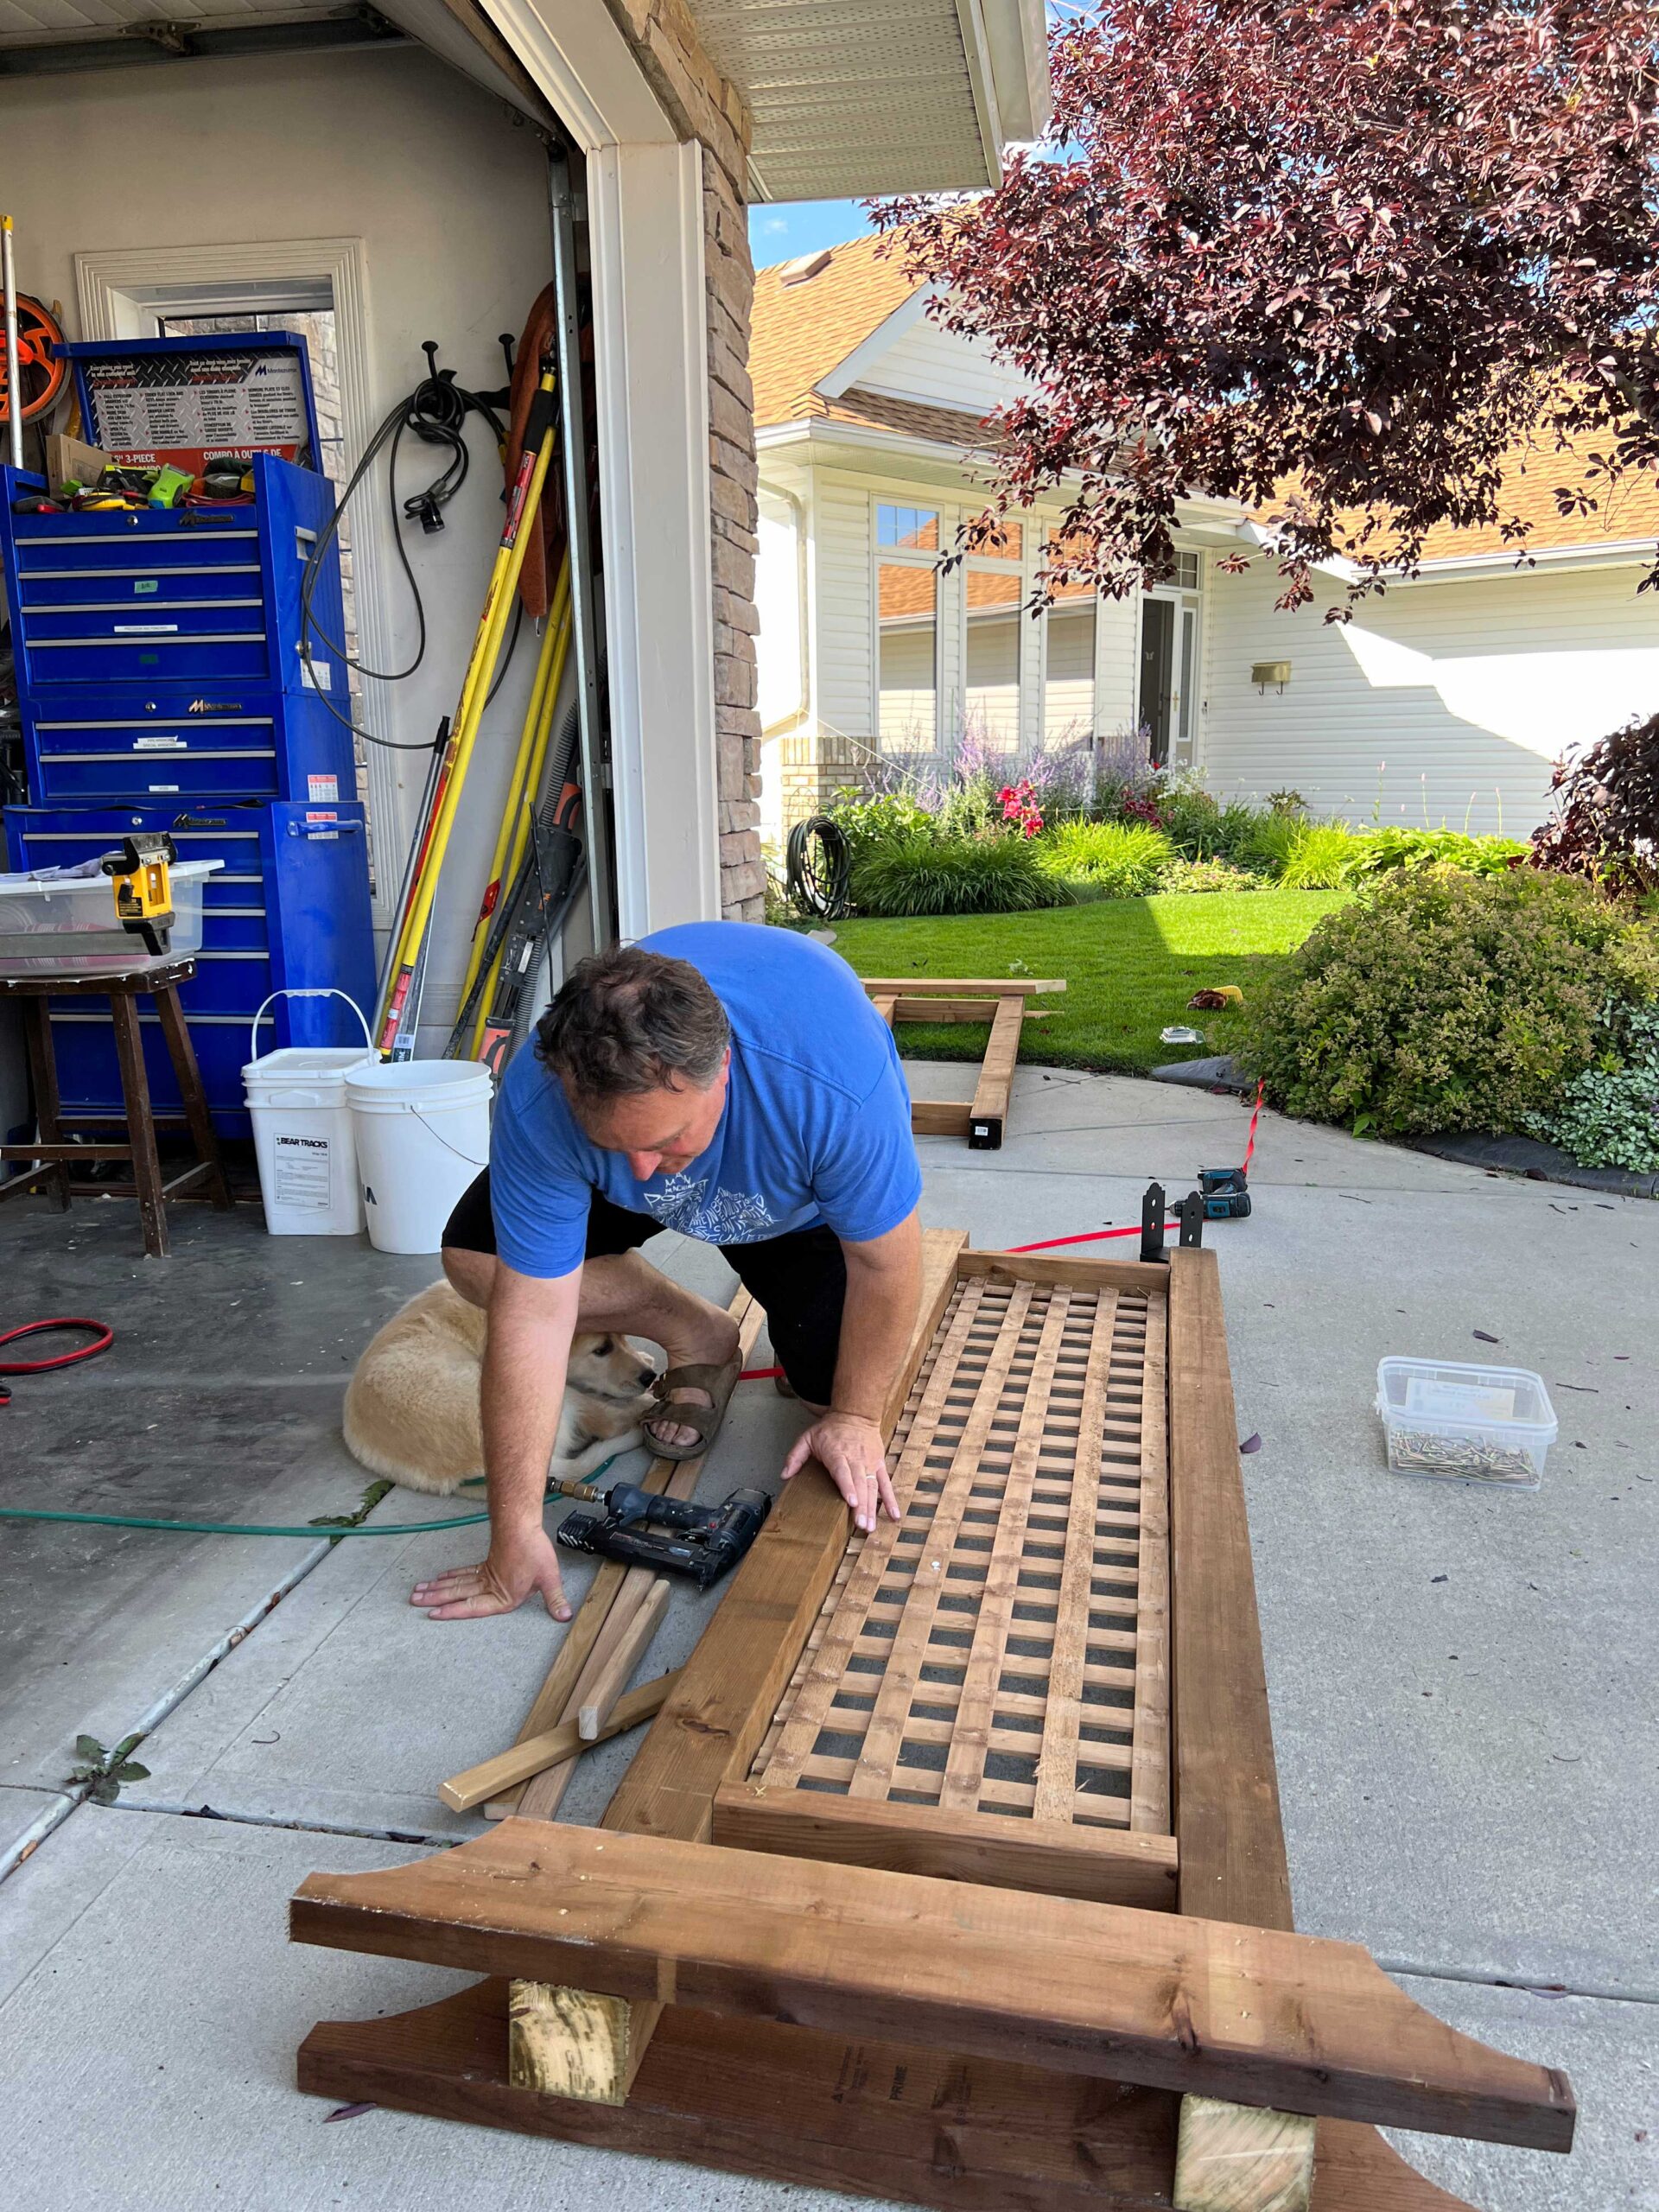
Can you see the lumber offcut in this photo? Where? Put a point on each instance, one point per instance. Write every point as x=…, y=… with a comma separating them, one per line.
x=1243, y=2159
x=462, y=1791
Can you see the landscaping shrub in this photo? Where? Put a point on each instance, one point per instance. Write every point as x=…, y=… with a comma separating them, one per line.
x=1116, y=859
x=866, y=822
x=1123, y=772
x=1183, y=875
x=1321, y=855
x=939, y=874
x=1441, y=1001
x=1381, y=850
x=1608, y=1116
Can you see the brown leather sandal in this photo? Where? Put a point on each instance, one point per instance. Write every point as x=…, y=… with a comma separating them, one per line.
x=718, y=1381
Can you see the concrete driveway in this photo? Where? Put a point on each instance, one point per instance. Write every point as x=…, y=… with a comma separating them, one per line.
x=1462, y=1683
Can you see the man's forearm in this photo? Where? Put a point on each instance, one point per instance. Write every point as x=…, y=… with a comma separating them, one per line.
x=522, y=1393
x=884, y=1290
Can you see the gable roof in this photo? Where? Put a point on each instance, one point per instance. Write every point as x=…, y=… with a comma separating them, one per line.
x=799, y=333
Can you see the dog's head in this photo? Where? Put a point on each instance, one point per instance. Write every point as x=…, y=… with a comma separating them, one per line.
x=607, y=1367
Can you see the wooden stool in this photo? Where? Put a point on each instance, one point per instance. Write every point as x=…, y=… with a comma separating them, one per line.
x=54, y=1156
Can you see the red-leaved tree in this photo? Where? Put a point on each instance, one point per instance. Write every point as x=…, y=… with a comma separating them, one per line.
x=1334, y=258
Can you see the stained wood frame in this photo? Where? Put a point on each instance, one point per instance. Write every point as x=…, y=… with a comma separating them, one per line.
x=1003, y=1005
x=854, y=2095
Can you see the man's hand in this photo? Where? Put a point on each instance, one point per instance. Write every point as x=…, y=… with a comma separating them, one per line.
x=850, y=1451
x=515, y=1567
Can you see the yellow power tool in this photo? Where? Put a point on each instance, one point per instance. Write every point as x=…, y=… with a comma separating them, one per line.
x=143, y=889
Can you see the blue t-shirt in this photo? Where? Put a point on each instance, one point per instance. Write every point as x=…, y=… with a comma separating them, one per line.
x=815, y=1126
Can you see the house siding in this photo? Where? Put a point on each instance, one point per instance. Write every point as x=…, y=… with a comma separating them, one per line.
x=1448, y=701
x=944, y=370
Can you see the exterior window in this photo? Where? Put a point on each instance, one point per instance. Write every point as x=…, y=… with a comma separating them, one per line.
x=907, y=628
x=1069, y=681
x=911, y=530
x=907, y=615
x=1185, y=575
x=993, y=592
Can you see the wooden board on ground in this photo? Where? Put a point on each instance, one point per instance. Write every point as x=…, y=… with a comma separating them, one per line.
x=793, y=2104
x=1002, y=1005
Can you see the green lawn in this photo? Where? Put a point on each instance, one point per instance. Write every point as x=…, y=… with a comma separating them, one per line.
x=1130, y=966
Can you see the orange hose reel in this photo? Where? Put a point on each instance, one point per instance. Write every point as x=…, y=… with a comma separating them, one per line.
x=40, y=372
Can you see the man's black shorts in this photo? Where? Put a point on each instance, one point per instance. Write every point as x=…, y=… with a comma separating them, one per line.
x=799, y=1280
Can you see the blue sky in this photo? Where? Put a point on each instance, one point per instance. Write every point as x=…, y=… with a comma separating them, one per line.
x=800, y=226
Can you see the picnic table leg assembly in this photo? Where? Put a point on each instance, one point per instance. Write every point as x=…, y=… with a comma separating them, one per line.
x=1004, y=1004
x=951, y=1870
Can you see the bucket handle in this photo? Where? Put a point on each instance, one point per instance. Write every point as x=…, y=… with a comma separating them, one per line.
x=253, y=1034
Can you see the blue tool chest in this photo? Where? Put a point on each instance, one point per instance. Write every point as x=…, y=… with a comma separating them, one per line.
x=161, y=688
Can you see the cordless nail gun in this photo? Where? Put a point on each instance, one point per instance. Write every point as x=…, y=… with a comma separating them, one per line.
x=643, y=1530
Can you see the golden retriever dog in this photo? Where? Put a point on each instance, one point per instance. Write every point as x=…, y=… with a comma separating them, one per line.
x=412, y=1407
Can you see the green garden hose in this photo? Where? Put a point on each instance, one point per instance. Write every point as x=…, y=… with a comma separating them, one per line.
x=239, y=1528
x=324, y=1528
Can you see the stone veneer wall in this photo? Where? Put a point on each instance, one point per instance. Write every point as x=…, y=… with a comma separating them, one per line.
x=702, y=105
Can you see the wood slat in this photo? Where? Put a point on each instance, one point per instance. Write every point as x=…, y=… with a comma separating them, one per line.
x=1250, y=2015
x=996, y=1070
x=1227, y=1823
x=945, y=987
x=940, y=1117
x=1149, y=1792
x=1044, y=1857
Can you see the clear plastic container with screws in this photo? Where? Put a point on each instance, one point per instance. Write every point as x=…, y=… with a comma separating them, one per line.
x=1457, y=1422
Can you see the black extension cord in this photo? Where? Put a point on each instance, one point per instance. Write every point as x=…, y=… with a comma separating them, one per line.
x=436, y=413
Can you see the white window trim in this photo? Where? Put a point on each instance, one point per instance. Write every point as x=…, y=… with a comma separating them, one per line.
x=909, y=557
x=118, y=289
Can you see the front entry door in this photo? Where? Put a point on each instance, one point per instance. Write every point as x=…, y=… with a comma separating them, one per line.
x=1157, y=672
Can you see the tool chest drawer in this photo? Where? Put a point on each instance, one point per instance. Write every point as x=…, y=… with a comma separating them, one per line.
x=134, y=626
x=146, y=591
x=183, y=597
x=95, y=743
x=288, y=909
x=150, y=657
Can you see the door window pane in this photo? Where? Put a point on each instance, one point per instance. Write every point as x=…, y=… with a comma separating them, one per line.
x=907, y=602
x=1189, y=675
x=913, y=530
x=993, y=700
x=1069, y=688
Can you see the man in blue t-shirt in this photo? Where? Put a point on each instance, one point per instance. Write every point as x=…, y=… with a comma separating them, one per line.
x=732, y=1083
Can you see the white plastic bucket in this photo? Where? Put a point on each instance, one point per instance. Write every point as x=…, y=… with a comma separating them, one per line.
x=302, y=1130
x=423, y=1132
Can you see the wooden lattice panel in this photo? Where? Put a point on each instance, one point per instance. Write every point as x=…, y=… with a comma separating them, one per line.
x=1003, y=1647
